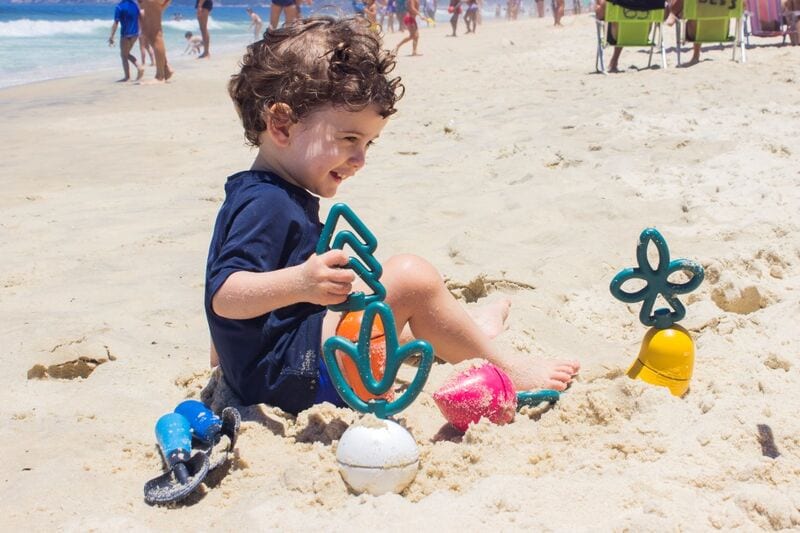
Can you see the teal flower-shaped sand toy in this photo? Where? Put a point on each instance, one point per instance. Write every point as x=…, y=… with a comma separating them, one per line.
x=360, y=353
x=666, y=357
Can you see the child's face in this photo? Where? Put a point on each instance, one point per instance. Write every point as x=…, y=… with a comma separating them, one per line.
x=328, y=146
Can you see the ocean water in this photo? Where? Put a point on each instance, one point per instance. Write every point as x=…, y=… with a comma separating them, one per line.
x=40, y=41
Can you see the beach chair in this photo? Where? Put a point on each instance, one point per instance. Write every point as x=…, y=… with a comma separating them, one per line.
x=764, y=18
x=634, y=28
x=712, y=20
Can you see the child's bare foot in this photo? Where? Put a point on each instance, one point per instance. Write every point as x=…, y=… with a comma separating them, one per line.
x=534, y=374
x=491, y=318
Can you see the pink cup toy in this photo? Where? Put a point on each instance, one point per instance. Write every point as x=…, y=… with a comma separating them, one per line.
x=480, y=392
x=485, y=391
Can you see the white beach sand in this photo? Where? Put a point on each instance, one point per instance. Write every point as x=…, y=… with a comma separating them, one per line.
x=518, y=172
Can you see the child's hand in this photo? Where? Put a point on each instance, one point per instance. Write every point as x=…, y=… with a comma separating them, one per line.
x=325, y=279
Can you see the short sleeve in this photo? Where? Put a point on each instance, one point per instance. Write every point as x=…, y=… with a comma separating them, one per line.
x=117, y=13
x=255, y=238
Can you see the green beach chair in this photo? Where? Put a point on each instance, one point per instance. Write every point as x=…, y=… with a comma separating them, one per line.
x=633, y=28
x=712, y=20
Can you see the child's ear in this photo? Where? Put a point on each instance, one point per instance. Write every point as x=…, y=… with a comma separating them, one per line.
x=279, y=118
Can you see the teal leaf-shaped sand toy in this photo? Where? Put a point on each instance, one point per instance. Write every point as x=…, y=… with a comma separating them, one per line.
x=364, y=244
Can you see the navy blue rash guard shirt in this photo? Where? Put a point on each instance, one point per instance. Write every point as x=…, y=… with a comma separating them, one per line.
x=266, y=224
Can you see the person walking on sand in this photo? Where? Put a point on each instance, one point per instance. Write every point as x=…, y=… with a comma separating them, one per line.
x=255, y=23
x=410, y=22
x=126, y=15
x=204, y=8
x=455, y=11
x=145, y=48
x=154, y=33
x=289, y=9
x=265, y=287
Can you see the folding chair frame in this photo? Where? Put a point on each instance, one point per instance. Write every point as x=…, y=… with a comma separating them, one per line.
x=691, y=12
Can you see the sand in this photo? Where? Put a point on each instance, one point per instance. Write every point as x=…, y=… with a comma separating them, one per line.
x=519, y=173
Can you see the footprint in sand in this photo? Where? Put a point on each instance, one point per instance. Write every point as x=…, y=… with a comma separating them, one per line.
x=72, y=367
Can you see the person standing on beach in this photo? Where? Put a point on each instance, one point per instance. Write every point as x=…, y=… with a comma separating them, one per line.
x=204, y=8
x=401, y=9
x=126, y=15
x=153, y=32
x=558, y=12
x=410, y=22
x=455, y=11
x=145, y=48
x=255, y=23
x=471, y=16
x=290, y=11
x=265, y=287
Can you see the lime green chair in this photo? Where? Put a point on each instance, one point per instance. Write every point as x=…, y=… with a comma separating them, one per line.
x=633, y=28
x=713, y=24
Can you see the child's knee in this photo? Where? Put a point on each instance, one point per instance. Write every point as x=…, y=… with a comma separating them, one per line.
x=413, y=273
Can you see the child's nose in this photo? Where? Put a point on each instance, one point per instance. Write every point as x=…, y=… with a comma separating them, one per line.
x=358, y=159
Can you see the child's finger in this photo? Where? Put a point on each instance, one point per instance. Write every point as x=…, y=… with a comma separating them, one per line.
x=342, y=276
x=335, y=258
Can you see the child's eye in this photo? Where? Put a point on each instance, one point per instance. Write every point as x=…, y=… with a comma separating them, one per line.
x=351, y=139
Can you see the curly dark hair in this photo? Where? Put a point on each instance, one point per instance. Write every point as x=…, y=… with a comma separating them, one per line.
x=311, y=63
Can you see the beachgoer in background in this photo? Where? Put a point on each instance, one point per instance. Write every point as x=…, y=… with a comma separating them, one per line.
x=204, y=8
x=558, y=11
x=639, y=5
x=791, y=14
x=266, y=289
x=674, y=12
x=388, y=13
x=289, y=9
x=410, y=22
x=304, y=8
x=455, y=11
x=430, y=12
x=539, y=8
x=153, y=10
x=358, y=7
x=371, y=14
x=126, y=16
x=194, y=44
x=401, y=7
x=145, y=48
x=471, y=15
x=255, y=23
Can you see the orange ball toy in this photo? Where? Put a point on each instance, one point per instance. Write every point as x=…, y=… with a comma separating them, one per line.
x=349, y=327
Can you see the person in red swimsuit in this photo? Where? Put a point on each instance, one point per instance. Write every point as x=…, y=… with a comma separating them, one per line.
x=410, y=21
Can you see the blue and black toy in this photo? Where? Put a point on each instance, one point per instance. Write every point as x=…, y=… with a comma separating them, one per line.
x=208, y=429
x=185, y=471
x=191, y=422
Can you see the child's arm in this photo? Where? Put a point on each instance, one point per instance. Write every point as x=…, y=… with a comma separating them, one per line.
x=320, y=280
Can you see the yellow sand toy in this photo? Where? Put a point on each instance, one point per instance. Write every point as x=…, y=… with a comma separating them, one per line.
x=666, y=357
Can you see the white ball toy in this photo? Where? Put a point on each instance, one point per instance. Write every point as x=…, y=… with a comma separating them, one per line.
x=377, y=456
